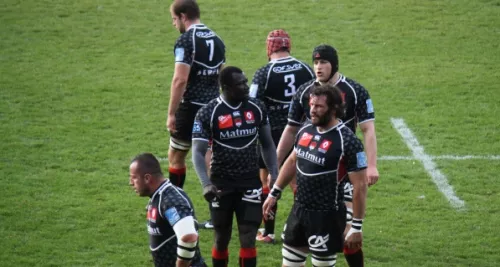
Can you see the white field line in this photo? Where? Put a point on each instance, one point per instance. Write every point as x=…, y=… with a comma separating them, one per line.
x=450, y=157
x=418, y=153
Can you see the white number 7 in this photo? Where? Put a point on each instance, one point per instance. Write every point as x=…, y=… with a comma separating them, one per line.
x=210, y=44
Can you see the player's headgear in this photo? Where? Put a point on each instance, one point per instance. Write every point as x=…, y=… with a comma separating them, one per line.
x=328, y=53
x=278, y=40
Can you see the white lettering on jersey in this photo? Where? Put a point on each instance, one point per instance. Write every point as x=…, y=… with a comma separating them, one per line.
x=231, y=134
x=205, y=34
x=310, y=157
x=287, y=68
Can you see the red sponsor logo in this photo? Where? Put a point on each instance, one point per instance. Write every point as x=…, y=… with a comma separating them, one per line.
x=152, y=213
x=325, y=145
x=249, y=117
x=237, y=121
x=305, y=139
x=313, y=145
x=225, y=121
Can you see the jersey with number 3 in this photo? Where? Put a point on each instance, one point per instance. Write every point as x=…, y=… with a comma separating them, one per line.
x=200, y=48
x=276, y=83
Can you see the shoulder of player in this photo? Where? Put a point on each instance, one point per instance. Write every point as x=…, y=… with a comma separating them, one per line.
x=354, y=84
x=257, y=103
x=347, y=133
x=262, y=70
x=305, y=87
x=308, y=127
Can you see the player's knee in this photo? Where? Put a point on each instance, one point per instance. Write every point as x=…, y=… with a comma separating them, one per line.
x=293, y=257
x=222, y=239
x=177, y=159
x=329, y=260
x=186, y=246
x=247, y=235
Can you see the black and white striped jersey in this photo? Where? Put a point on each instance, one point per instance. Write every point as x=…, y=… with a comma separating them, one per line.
x=276, y=83
x=323, y=161
x=167, y=206
x=200, y=48
x=358, y=104
x=234, y=132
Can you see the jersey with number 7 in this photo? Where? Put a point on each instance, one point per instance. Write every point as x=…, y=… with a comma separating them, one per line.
x=276, y=83
x=203, y=50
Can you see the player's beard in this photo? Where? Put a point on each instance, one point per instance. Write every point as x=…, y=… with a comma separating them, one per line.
x=323, y=120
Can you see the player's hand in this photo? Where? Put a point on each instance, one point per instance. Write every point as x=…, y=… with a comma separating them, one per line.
x=171, y=123
x=353, y=239
x=267, y=208
x=210, y=192
x=372, y=174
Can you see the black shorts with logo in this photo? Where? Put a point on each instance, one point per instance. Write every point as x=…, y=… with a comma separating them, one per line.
x=184, y=120
x=245, y=203
x=276, y=134
x=320, y=230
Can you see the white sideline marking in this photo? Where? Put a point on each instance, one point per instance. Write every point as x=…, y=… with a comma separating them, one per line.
x=418, y=153
x=450, y=157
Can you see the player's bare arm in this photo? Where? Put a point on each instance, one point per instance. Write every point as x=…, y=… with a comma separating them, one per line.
x=286, y=142
x=354, y=237
x=179, y=83
x=370, y=140
x=285, y=176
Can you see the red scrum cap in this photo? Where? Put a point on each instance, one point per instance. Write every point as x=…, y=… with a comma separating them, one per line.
x=278, y=40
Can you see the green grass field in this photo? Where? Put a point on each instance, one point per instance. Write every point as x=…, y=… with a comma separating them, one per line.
x=85, y=86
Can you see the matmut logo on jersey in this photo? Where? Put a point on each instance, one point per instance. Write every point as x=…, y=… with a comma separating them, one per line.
x=225, y=121
x=231, y=134
x=325, y=145
x=249, y=118
x=305, y=139
x=152, y=214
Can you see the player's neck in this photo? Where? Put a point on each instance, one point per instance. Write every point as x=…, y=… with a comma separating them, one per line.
x=156, y=184
x=278, y=55
x=334, y=80
x=231, y=102
x=190, y=23
x=333, y=122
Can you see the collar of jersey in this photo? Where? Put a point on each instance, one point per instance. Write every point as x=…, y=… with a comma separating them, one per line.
x=227, y=104
x=341, y=77
x=281, y=59
x=340, y=125
x=195, y=26
x=160, y=188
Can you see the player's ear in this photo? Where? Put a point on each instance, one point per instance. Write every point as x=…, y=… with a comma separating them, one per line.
x=147, y=177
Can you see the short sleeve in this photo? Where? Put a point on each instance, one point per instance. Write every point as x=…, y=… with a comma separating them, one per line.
x=364, y=108
x=258, y=86
x=201, y=125
x=355, y=157
x=296, y=110
x=174, y=206
x=184, y=50
x=263, y=109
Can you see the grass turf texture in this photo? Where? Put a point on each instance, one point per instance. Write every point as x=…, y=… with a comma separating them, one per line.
x=84, y=88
